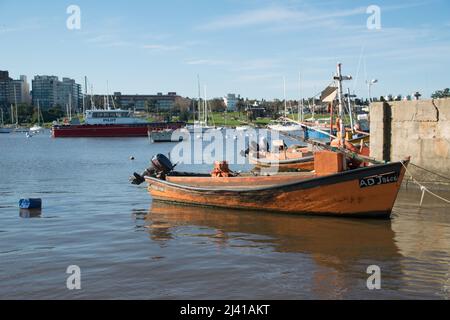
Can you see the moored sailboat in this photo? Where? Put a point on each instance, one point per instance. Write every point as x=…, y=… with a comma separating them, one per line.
x=35, y=129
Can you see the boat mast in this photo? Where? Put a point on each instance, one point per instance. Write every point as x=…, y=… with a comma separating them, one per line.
x=205, y=105
x=70, y=106
x=85, y=95
x=285, y=101
x=39, y=112
x=92, y=97
x=339, y=79
x=350, y=111
x=107, y=96
x=17, y=109
x=300, y=103
x=199, y=100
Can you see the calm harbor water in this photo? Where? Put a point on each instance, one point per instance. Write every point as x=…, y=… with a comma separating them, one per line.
x=130, y=248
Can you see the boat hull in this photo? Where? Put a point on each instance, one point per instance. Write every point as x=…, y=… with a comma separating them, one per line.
x=353, y=193
x=111, y=131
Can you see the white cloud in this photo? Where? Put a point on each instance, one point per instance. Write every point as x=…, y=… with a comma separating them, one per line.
x=161, y=47
x=284, y=17
x=277, y=15
x=208, y=62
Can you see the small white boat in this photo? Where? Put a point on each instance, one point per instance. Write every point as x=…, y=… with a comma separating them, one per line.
x=167, y=135
x=243, y=128
x=36, y=129
x=286, y=127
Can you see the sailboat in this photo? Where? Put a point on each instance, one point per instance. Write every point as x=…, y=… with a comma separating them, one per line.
x=284, y=125
x=37, y=128
x=4, y=129
x=17, y=128
x=201, y=125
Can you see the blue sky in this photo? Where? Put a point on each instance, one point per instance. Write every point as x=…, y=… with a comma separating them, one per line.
x=240, y=46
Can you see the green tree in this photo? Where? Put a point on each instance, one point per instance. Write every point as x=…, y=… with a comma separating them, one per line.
x=217, y=105
x=441, y=94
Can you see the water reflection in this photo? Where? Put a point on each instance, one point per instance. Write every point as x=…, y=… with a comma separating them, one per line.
x=30, y=213
x=331, y=242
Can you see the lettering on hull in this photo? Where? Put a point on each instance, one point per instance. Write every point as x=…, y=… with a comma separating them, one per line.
x=377, y=180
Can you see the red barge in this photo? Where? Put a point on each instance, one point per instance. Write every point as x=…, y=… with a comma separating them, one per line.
x=111, y=124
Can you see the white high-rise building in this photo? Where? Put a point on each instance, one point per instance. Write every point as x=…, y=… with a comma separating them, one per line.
x=231, y=101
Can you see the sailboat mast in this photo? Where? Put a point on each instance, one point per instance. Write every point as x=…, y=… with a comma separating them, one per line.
x=285, y=101
x=350, y=111
x=339, y=78
x=206, y=108
x=39, y=113
x=85, y=95
x=15, y=103
x=107, y=96
x=92, y=97
x=300, y=103
x=70, y=107
x=199, y=100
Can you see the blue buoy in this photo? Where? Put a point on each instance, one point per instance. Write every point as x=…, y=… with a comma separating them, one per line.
x=30, y=204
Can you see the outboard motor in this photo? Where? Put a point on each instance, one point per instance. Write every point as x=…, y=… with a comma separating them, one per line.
x=160, y=167
x=162, y=164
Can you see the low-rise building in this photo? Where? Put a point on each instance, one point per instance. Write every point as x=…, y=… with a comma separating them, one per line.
x=159, y=101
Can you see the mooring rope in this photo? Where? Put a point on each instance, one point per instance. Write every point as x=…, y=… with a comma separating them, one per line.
x=423, y=188
x=429, y=171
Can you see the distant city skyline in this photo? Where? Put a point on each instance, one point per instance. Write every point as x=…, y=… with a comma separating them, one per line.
x=243, y=47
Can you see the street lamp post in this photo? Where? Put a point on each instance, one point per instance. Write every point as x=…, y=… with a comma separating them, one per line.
x=369, y=86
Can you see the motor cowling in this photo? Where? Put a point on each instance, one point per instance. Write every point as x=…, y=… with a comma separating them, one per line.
x=160, y=167
x=162, y=164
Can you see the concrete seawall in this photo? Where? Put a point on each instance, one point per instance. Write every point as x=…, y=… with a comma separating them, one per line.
x=420, y=129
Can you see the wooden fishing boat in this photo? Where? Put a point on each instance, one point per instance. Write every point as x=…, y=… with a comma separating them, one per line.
x=331, y=189
x=363, y=192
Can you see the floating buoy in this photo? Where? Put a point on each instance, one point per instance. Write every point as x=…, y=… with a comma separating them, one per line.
x=30, y=204
x=132, y=158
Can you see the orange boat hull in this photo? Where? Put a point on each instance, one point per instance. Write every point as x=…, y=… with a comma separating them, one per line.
x=365, y=192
